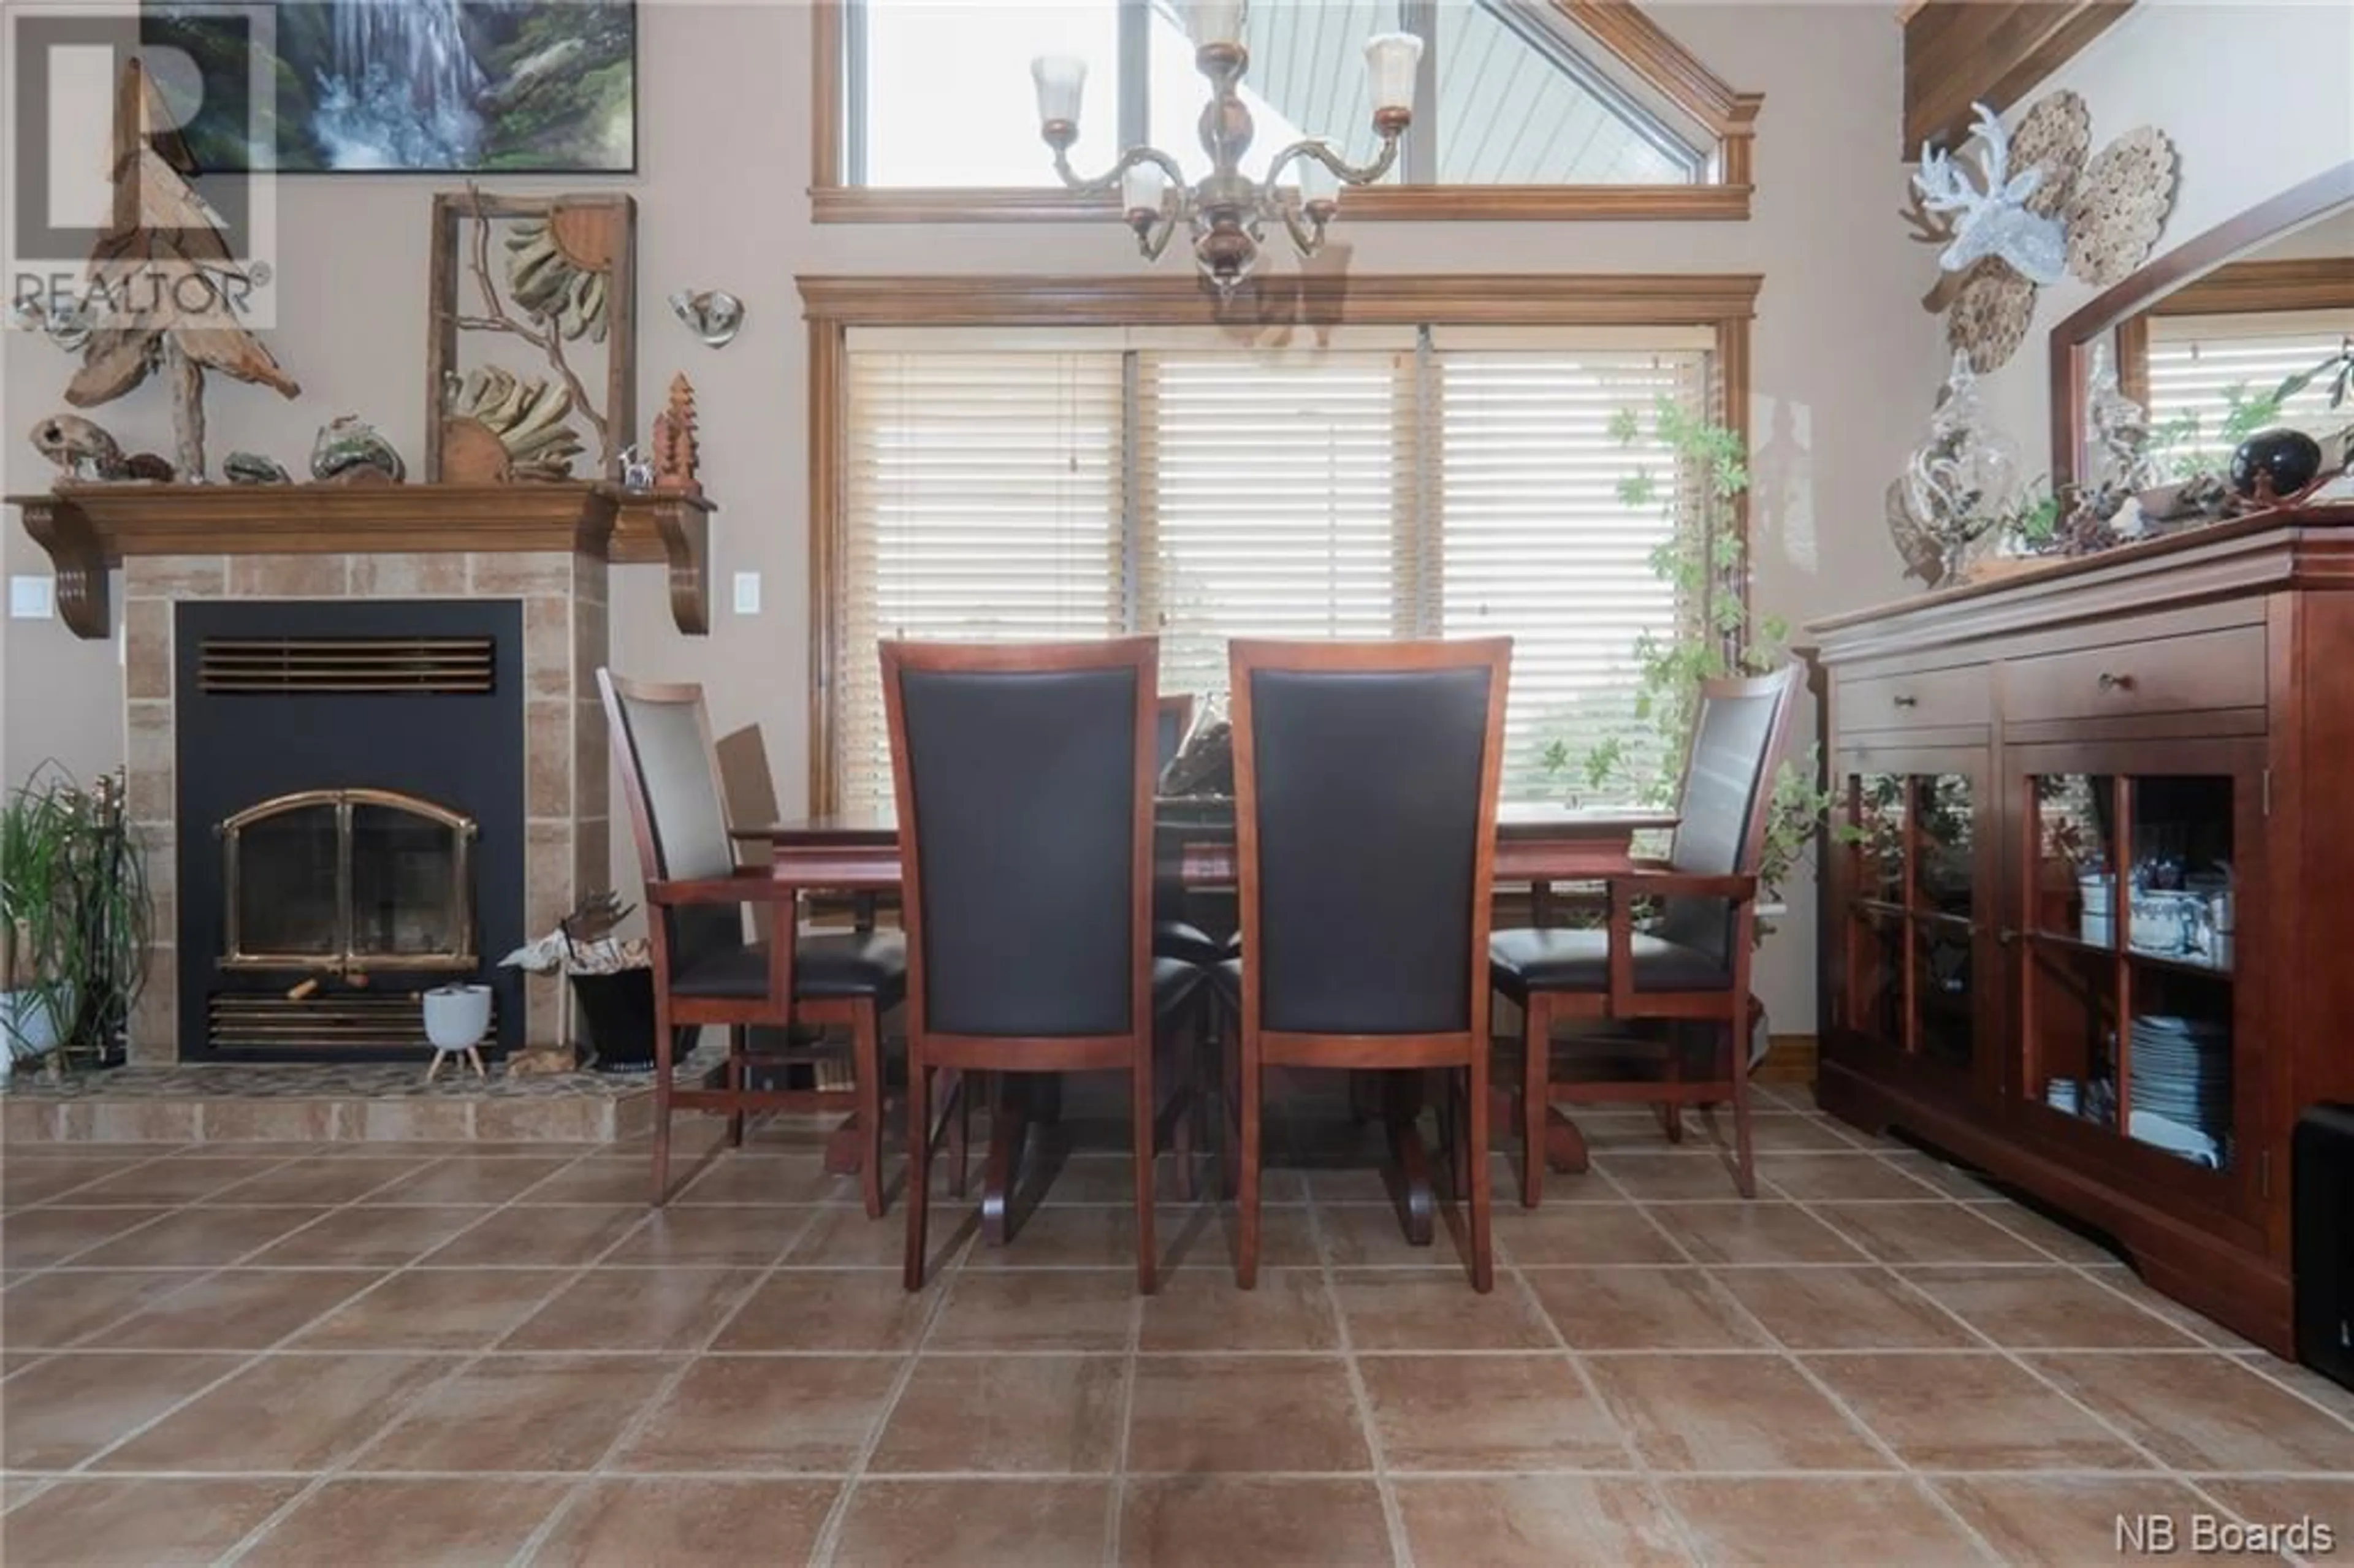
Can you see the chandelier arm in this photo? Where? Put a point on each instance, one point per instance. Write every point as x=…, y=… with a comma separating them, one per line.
x=1349, y=174
x=1154, y=240
x=1307, y=234
x=1129, y=160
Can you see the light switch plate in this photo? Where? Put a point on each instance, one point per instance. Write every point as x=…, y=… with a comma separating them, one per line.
x=32, y=597
x=748, y=593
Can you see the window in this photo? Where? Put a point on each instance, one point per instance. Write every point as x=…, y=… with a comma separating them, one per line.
x=1518, y=96
x=1043, y=482
x=2201, y=369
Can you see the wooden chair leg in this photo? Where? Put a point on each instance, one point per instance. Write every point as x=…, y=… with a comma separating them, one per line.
x=662, y=1100
x=1483, y=1255
x=1536, y=1092
x=1144, y=1109
x=738, y=1042
x=866, y=1068
x=1744, y=1166
x=920, y=1159
x=1250, y=1090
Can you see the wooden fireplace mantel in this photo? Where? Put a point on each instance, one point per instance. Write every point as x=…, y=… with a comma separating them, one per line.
x=89, y=529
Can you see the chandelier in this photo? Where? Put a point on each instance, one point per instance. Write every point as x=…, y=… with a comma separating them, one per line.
x=1227, y=211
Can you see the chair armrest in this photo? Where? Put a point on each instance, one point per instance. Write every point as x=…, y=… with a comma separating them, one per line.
x=753, y=884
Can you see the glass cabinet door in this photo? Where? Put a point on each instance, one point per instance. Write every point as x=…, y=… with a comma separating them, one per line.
x=2130, y=1012
x=1913, y=911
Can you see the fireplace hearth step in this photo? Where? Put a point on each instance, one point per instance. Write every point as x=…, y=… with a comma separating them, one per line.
x=313, y=1025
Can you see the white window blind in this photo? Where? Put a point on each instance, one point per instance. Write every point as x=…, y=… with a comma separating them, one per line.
x=1052, y=484
x=2195, y=362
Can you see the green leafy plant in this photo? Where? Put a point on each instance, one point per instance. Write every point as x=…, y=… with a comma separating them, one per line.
x=2183, y=438
x=74, y=912
x=1704, y=561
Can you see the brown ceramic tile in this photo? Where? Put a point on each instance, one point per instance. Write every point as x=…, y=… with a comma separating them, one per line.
x=403, y=574
x=2204, y=1413
x=1778, y=1132
x=2062, y=1521
x=176, y=576
x=601, y=1178
x=51, y=1311
x=829, y=1309
x=687, y=1523
x=1368, y=1236
x=521, y=1413
x=1488, y=1412
x=1699, y=1176
x=798, y=1414
x=65, y=1409
x=918, y=1524
x=436, y=1309
x=2061, y=1243
x=26, y=1181
x=283, y=1412
x=835, y=1237
x=1954, y=1181
x=548, y=751
x=635, y=1309
x=1926, y=1232
x=2293, y=1514
x=1537, y=1519
x=203, y=1237
x=241, y=1309
x=1851, y=1177
x=2336, y=1398
x=1046, y=1309
x=1641, y=1310
x=1198, y=1415
x=1401, y=1309
x=37, y=1238
x=541, y=1238
x=404, y=1126
x=289, y=576
x=542, y=1118
x=1729, y=1412
x=773, y=1179
x=160, y=1183
x=1059, y=1236
x=1199, y=1310
x=1058, y=1414
x=1109, y=1180
x=154, y=1523
x=298, y=1124
x=368, y=1237
x=493, y=1179
x=2193, y=1322
x=1217, y=1522
x=2053, y=1308
x=1207, y=1238
x=752, y=1237
x=1776, y=1523
x=367, y=1522
x=1560, y=1186
x=1752, y=1233
x=1843, y=1310
x=329, y=1178
x=1970, y=1412
x=1580, y=1233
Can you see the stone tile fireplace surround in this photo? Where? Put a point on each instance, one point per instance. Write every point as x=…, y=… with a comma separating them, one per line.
x=566, y=760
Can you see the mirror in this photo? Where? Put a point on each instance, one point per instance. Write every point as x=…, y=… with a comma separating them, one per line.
x=2205, y=336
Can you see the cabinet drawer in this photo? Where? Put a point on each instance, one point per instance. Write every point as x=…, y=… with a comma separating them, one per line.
x=1931, y=700
x=2201, y=671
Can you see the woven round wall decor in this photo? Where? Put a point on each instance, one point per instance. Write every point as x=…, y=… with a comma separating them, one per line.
x=1988, y=319
x=2120, y=203
x=2054, y=136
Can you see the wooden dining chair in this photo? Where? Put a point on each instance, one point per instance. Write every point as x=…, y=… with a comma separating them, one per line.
x=705, y=970
x=1365, y=781
x=1689, y=965
x=1025, y=779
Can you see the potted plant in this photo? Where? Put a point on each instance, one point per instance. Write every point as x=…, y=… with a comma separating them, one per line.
x=74, y=918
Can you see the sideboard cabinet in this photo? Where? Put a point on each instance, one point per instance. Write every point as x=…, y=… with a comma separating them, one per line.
x=2088, y=904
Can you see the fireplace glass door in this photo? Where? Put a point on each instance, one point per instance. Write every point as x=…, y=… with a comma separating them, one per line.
x=351, y=880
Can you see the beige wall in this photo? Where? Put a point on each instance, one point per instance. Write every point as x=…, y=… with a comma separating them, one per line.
x=1841, y=365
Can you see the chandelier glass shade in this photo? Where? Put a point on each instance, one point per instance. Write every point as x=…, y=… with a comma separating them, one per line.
x=1227, y=211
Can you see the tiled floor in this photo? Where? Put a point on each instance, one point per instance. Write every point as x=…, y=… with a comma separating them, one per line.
x=492, y=1355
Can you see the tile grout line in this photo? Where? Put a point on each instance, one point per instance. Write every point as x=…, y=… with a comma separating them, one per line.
x=402, y=1408
x=1116, y=1505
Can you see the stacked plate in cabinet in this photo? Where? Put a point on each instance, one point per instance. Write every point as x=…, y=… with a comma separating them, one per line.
x=2181, y=1075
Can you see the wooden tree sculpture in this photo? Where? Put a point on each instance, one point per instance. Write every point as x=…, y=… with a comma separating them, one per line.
x=161, y=263
x=673, y=441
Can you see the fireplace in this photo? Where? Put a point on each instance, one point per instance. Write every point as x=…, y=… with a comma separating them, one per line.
x=351, y=801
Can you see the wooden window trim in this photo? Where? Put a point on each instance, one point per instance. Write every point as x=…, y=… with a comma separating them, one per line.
x=2243, y=288
x=1724, y=302
x=1619, y=27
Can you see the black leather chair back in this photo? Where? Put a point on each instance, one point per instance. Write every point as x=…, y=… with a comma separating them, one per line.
x=1021, y=790
x=665, y=745
x=1369, y=791
x=1728, y=789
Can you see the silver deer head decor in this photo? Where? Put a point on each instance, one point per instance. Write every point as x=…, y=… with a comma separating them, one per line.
x=1993, y=216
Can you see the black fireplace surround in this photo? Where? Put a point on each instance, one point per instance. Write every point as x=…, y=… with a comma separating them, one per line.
x=350, y=809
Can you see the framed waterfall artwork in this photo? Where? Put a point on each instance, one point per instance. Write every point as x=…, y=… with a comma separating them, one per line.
x=490, y=87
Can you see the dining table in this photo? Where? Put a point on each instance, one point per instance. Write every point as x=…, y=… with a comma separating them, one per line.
x=1538, y=844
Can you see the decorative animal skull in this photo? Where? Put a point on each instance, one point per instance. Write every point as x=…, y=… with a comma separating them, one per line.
x=1994, y=219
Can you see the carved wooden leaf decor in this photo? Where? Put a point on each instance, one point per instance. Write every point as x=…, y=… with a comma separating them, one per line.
x=2053, y=136
x=1990, y=313
x=2121, y=203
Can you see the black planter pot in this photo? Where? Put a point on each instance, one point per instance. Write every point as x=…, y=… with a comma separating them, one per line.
x=617, y=1013
x=2285, y=459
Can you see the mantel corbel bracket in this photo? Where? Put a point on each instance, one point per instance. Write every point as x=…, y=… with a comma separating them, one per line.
x=671, y=528
x=77, y=553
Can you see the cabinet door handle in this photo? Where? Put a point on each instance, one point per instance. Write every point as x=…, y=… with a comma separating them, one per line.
x=2006, y=936
x=1905, y=700
x=2115, y=682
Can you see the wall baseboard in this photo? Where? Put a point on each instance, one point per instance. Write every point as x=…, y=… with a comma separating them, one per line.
x=1791, y=1060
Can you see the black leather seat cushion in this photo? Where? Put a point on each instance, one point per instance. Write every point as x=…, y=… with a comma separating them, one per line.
x=832, y=964
x=1525, y=960
x=1183, y=939
x=1173, y=981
